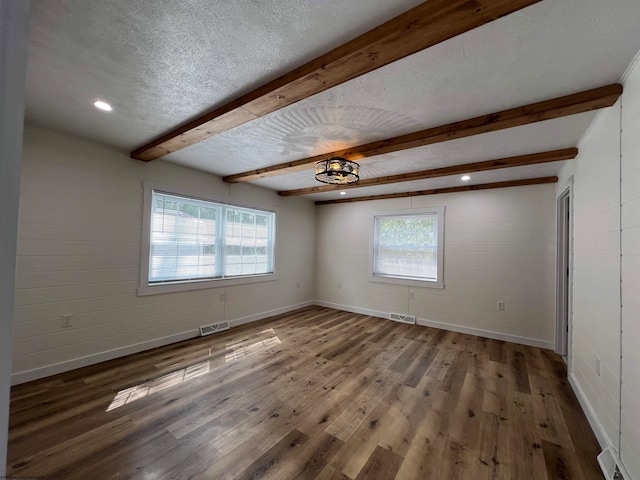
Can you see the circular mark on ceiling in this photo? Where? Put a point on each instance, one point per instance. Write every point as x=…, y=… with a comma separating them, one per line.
x=303, y=132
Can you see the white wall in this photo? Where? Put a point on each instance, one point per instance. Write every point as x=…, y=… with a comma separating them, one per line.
x=606, y=288
x=499, y=245
x=13, y=68
x=79, y=249
x=630, y=434
x=596, y=270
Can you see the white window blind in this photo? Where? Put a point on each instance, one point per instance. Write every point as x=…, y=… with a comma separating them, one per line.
x=408, y=246
x=195, y=240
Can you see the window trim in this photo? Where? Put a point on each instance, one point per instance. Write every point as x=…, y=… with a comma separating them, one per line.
x=144, y=288
x=439, y=283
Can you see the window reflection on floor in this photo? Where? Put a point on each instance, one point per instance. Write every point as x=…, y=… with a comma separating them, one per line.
x=137, y=392
x=238, y=351
x=235, y=351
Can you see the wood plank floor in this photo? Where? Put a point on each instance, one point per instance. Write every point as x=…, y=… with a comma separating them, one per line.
x=313, y=394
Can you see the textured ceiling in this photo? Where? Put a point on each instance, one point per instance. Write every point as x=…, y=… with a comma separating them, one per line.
x=161, y=63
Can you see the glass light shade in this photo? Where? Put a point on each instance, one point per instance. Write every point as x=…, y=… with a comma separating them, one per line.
x=337, y=171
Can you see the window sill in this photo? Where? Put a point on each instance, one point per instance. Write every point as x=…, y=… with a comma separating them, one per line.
x=144, y=290
x=407, y=281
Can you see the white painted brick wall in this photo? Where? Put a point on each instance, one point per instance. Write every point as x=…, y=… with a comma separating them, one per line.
x=606, y=290
x=499, y=245
x=630, y=438
x=79, y=252
x=596, y=274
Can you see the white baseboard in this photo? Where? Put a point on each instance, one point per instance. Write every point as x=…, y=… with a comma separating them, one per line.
x=506, y=337
x=596, y=426
x=347, y=308
x=270, y=313
x=54, y=369
x=447, y=326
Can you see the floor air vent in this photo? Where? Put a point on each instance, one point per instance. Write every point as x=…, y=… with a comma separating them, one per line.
x=610, y=465
x=215, y=328
x=398, y=317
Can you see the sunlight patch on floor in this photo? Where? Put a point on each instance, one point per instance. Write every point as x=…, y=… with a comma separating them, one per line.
x=137, y=392
x=237, y=351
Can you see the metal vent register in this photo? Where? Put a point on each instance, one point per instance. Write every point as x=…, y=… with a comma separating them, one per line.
x=215, y=328
x=398, y=317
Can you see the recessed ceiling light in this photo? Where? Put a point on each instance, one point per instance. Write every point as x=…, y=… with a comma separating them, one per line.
x=102, y=105
x=465, y=178
x=343, y=193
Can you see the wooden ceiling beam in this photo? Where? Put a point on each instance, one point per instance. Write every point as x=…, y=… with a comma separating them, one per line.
x=519, y=161
x=547, y=110
x=422, y=27
x=436, y=191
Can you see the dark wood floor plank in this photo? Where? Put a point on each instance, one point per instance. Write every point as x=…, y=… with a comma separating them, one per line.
x=548, y=417
x=382, y=336
x=231, y=465
x=407, y=357
x=214, y=421
x=311, y=394
x=406, y=412
x=456, y=462
x=487, y=462
x=57, y=456
x=390, y=351
x=365, y=400
x=529, y=458
x=316, y=456
x=345, y=347
x=464, y=427
x=352, y=459
x=324, y=410
x=269, y=465
x=437, y=337
x=424, y=454
x=382, y=465
x=129, y=456
x=560, y=464
x=519, y=366
x=583, y=440
x=497, y=390
x=452, y=382
x=441, y=363
x=330, y=473
x=498, y=351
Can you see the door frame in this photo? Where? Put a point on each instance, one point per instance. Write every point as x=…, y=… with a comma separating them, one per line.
x=564, y=270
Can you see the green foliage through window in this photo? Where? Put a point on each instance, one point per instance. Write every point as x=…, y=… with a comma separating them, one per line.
x=406, y=246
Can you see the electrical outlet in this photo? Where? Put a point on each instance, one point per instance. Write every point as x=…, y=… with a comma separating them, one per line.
x=339, y=286
x=298, y=285
x=502, y=305
x=412, y=295
x=221, y=297
x=66, y=320
x=597, y=366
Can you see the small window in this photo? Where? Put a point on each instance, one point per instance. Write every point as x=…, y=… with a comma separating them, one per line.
x=408, y=247
x=193, y=241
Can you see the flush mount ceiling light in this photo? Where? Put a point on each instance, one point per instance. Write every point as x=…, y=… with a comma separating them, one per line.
x=465, y=178
x=337, y=171
x=343, y=193
x=102, y=105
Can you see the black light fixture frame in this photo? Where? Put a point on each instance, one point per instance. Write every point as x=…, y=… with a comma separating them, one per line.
x=337, y=171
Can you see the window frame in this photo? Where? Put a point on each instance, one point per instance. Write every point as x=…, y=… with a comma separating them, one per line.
x=396, y=279
x=145, y=288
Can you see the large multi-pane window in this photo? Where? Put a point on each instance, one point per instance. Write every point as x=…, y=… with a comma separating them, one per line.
x=408, y=247
x=195, y=240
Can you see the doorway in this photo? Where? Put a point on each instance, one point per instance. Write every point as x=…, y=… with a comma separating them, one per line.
x=564, y=272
